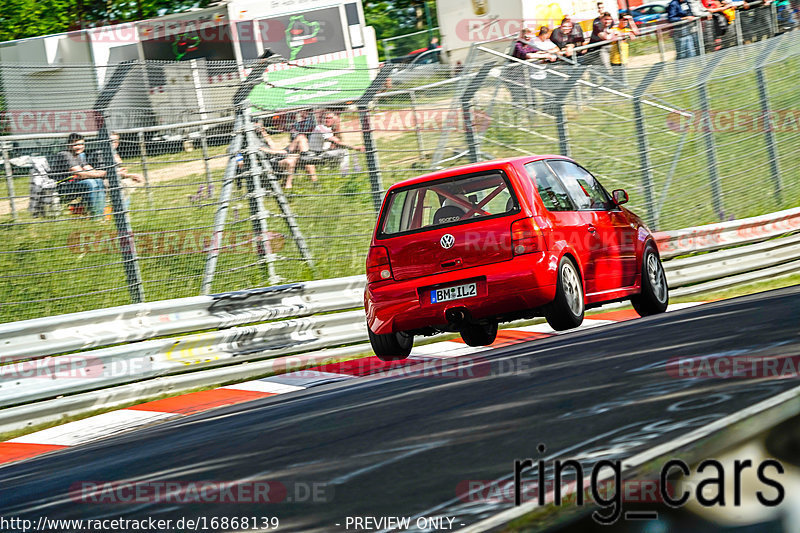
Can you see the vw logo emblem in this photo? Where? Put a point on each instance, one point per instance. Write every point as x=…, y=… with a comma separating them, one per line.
x=447, y=241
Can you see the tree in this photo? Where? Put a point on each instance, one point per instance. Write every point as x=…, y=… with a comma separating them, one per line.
x=30, y=18
x=391, y=18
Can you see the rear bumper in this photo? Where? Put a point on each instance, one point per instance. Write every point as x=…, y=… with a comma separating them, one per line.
x=526, y=282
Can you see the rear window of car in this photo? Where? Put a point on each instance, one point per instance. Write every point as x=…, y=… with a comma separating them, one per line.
x=447, y=202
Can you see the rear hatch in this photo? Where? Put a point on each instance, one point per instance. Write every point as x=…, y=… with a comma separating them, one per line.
x=448, y=224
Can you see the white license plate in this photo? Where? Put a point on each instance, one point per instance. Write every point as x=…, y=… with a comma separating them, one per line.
x=454, y=293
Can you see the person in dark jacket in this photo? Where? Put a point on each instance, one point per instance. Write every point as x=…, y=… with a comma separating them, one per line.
x=686, y=43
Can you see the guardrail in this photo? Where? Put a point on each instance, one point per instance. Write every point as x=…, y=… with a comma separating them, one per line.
x=131, y=344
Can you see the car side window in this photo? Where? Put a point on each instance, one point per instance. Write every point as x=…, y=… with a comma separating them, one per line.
x=585, y=191
x=551, y=190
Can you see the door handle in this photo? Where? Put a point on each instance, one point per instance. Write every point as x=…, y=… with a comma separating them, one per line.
x=591, y=229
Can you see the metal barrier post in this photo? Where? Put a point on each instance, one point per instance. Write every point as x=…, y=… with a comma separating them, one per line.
x=412, y=95
x=660, y=41
x=9, y=180
x=737, y=26
x=773, y=19
x=701, y=42
x=708, y=135
x=204, y=146
x=466, y=112
x=122, y=221
x=645, y=165
x=143, y=155
x=769, y=133
x=370, y=147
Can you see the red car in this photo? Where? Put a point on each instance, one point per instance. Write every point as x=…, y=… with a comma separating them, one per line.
x=462, y=249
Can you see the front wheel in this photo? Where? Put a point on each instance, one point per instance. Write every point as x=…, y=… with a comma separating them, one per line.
x=655, y=294
x=566, y=310
x=391, y=346
x=479, y=334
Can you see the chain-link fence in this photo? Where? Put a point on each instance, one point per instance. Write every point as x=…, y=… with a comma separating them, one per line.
x=202, y=203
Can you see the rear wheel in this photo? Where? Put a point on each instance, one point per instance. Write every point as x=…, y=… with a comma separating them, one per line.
x=655, y=294
x=391, y=346
x=566, y=309
x=479, y=334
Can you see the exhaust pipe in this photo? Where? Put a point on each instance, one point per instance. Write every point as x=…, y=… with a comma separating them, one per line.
x=456, y=316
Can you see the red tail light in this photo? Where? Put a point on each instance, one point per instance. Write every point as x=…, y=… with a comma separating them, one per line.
x=524, y=236
x=378, y=267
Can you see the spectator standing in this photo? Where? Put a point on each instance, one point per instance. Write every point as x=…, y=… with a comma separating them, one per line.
x=83, y=179
x=597, y=23
x=618, y=54
x=601, y=33
x=543, y=44
x=684, y=35
x=719, y=21
x=527, y=46
x=564, y=38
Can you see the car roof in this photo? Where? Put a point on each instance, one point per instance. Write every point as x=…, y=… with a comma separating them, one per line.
x=473, y=167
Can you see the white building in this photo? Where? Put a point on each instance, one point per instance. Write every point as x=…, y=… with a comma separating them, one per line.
x=50, y=83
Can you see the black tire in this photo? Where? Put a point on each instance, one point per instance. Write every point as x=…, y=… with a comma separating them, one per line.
x=566, y=309
x=654, y=297
x=479, y=334
x=391, y=346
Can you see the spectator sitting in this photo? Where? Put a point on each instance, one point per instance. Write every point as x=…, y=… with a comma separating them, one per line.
x=434, y=43
x=564, y=38
x=83, y=179
x=321, y=145
x=304, y=124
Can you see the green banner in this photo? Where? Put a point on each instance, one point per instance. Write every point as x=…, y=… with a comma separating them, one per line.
x=338, y=80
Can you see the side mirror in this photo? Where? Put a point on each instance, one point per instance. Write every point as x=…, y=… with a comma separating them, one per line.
x=620, y=196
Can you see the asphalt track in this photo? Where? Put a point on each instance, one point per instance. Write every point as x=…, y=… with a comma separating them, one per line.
x=401, y=446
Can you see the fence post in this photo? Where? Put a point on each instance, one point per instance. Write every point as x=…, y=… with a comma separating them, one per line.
x=737, y=27
x=122, y=221
x=660, y=41
x=644, y=151
x=127, y=241
x=412, y=96
x=370, y=147
x=561, y=90
x=204, y=146
x=708, y=134
x=9, y=180
x=701, y=42
x=466, y=112
x=143, y=155
x=769, y=133
x=773, y=19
